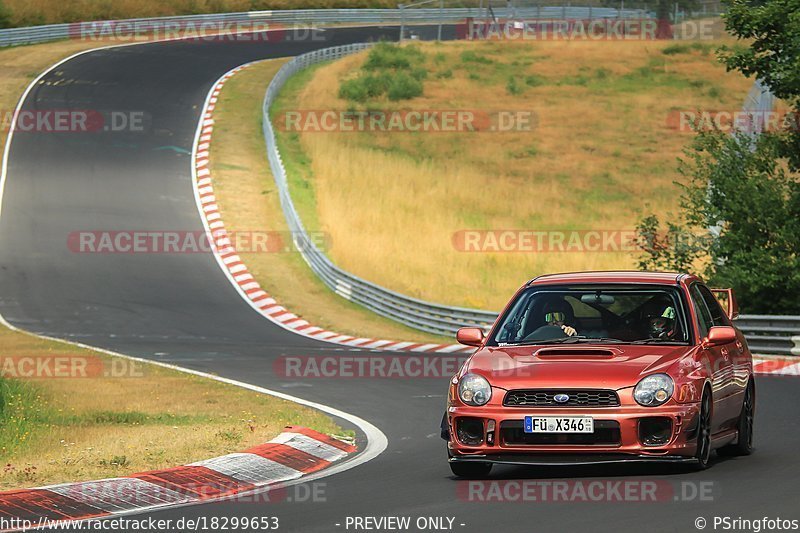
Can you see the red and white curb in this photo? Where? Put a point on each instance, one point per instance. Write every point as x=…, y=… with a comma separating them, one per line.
x=776, y=366
x=291, y=455
x=238, y=272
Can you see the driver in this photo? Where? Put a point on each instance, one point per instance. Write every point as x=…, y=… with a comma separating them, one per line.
x=555, y=314
x=663, y=326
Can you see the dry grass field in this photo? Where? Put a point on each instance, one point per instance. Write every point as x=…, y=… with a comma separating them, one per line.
x=107, y=417
x=248, y=200
x=600, y=155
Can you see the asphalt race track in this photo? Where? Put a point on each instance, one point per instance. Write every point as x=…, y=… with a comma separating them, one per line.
x=180, y=308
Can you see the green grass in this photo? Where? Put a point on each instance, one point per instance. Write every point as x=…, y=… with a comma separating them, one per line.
x=295, y=159
x=21, y=408
x=687, y=48
x=121, y=418
x=470, y=56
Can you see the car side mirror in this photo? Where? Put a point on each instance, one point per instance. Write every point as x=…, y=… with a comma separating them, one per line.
x=470, y=336
x=719, y=335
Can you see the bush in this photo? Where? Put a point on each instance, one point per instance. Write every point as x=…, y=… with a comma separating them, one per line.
x=675, y=49
x=376, y=85
x=388, y=56
x=404, y=87
x=391, y=70
x=354, y=90
x=445, y=74
x=512, y=87
x=419, y=73
x=534, y=81
x=5, y=16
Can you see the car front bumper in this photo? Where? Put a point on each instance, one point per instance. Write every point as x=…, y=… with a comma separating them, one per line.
x=618, y=437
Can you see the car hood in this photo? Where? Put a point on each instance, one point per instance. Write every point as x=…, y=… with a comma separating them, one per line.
x=581, y=366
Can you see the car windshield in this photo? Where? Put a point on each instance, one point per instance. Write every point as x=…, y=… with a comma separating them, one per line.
x=595, y=314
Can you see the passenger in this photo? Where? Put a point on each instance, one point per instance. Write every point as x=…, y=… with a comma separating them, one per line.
x=663, y=326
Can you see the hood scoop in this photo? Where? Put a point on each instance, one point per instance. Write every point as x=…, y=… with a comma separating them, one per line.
x=589, y=353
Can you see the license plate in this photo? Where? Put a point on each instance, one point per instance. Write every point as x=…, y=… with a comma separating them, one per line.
x=559, y=424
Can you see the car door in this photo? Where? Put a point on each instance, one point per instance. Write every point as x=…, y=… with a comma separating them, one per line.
x=718, y=359
x=736, y=379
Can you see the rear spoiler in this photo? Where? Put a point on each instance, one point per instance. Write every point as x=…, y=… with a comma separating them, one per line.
x=728, y=302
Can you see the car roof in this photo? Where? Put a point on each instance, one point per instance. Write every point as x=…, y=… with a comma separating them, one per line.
x=611, y=276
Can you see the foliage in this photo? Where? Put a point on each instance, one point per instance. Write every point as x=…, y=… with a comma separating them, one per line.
x=512, y=87
x=404, y=87
x=396, y=72
x=5, y=16
x=742, y=192
x=673, y=249
x=742, y=198
x=773, y=29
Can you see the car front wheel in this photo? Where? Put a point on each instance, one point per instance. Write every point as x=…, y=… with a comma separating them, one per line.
x=703, y=454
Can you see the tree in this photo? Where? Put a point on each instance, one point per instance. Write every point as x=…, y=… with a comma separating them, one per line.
x=773, y=27
x=746, y=193
x=672, y=249
x=743, y=194
x=5, y=16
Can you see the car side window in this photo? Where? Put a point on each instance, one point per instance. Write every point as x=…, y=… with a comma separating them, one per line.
x=703, y=315
x=719, y=317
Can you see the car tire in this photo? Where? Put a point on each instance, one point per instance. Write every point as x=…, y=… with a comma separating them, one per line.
x=744, y=444
x=471, y=470
x=703, y=454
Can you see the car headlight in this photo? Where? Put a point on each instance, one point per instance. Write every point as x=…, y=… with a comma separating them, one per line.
x=474, y=390
x=653, y=390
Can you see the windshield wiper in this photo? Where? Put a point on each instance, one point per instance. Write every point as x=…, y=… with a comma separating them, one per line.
x=559, y=340
x=657, y=341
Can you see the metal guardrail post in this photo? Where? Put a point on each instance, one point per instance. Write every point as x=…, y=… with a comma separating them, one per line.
x=441, y=17
x=401, y=7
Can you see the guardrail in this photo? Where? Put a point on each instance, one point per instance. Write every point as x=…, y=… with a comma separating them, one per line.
x=425, y=316
x=777, y=335
x=85, y=30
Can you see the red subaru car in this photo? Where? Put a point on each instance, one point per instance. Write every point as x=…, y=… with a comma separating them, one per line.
x=603, y=367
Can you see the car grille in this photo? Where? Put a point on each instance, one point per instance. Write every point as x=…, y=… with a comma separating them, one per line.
x=606, y=433
x=546, y=398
